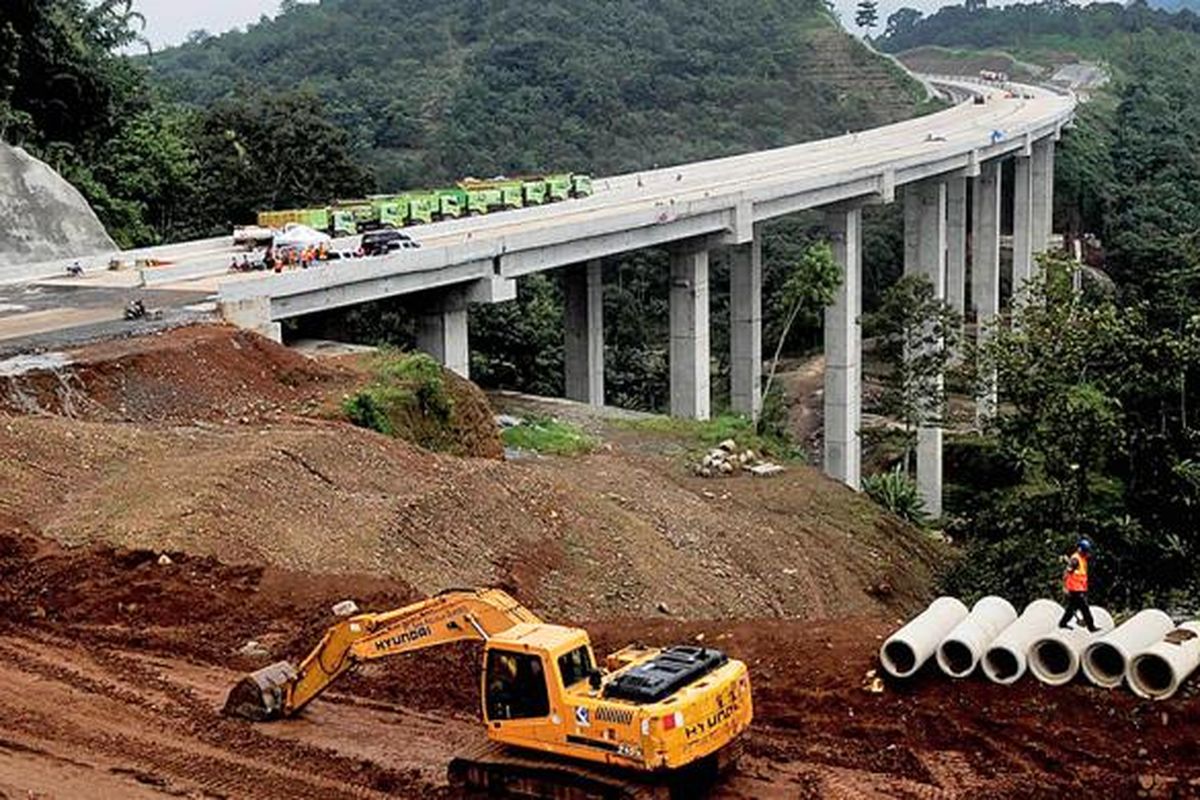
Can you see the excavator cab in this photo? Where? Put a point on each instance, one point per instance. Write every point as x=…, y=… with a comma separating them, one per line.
x=528, y=672
x=525, y=681
x=515, y=687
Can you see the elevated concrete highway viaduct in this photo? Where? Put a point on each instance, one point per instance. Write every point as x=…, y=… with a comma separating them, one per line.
x=931, y=164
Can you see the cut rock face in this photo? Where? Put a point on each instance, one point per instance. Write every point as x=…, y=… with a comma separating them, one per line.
x=42, y=217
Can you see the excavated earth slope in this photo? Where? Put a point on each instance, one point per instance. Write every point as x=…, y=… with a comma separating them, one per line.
x=212, y=442
x=42, y=217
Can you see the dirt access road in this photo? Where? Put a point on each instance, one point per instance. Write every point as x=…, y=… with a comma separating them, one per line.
x=113, y=668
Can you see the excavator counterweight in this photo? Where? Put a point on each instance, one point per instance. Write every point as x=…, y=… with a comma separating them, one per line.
x=552, y=714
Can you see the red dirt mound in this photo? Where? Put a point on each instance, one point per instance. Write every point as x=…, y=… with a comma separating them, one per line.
x=172, y=602
x=200, y=372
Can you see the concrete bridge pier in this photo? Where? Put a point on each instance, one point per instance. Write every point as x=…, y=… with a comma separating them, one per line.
x=691, y=379
x=843, y=352
x=583, y=351
x=956, y=244
x=745, y=327
x=1022, y=256
x=925, y=254
x=1042, y=177
x=442, y=329
x=252, y=313
x=985, y=272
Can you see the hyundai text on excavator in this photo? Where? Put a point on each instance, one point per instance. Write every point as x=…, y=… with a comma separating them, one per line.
x=557, y=726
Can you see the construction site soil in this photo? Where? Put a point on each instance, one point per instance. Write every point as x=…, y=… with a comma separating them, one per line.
x=115, y=660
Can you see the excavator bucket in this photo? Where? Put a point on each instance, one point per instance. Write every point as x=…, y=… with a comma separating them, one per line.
x=259, y=696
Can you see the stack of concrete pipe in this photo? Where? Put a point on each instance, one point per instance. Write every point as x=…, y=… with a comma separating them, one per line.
x=1147, y=651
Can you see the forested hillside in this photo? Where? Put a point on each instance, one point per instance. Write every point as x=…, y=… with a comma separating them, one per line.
x=1177, y=5
x=1046, y=31
x=436, y=91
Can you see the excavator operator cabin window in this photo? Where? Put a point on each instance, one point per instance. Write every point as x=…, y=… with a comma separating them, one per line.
x=575, y=666
x=516, y=686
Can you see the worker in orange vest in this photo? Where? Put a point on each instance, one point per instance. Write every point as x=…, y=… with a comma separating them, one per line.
x=1075, y=584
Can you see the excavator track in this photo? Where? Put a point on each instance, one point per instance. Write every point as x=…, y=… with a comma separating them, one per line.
x=494, y=770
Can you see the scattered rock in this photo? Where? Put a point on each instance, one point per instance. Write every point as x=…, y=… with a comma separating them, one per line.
x=726, y=459
x=346, y=608
x=880, y=589
x=253, y=649
x=165, y=560
x=664, y=608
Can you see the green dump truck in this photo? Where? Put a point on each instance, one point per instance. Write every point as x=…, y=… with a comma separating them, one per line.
x=468, y=197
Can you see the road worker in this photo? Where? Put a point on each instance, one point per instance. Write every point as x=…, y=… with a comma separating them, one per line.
x=1075, y=584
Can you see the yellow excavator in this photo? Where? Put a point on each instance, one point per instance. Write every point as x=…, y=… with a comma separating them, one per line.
x=654, y=723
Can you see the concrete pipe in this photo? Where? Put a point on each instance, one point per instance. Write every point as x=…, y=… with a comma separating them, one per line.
x=1157, y=672
x=1106, y=660
x=1007, y=658
x=907, y=650
x=1054, y=659
x=960, y=651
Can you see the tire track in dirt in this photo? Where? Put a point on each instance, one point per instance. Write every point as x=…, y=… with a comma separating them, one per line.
x=181, y=740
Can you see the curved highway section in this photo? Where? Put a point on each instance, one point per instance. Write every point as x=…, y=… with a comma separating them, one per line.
x=723, y=197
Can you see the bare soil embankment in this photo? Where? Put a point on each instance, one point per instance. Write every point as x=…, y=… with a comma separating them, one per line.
x=218, y=451
x=217, y=443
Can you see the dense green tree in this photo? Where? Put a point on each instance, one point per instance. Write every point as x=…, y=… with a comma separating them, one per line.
x=902, y=22
x=1030, y=26
x=152, y=164
x=916, y=335
x=71, y=82
x=519, y=345
x=1093, y=431
x=866, y=16
x=270, y=150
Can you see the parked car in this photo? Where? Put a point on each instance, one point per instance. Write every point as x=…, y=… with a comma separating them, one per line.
x=377, y=243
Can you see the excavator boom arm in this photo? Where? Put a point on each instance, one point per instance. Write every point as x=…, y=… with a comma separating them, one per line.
x=281, y=690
